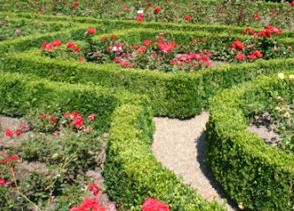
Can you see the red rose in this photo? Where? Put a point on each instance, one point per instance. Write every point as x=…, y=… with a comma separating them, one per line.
x=91, y=31
x=157, y=10
x=256, y=16
x=237, y=45
x=240, y=57
x=93, y=188
x=9, y=159
x=140, y=18
x=188, y=18
x=148, y=4
x=8, y=133
x=154, y=205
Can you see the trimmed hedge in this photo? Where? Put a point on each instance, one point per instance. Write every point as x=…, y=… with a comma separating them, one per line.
x=178, y=95
x=128, y=24
x=251, y=172
x=132, y=173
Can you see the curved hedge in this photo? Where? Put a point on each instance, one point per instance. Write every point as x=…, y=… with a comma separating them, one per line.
x=132, y=173
x=252, y=173
x=178, y=95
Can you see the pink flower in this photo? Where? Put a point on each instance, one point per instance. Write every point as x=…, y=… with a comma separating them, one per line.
x=292, y=3
x=188, y=18
x=42, y=116
x=157, y=10
x=17, y=31
x=8, y=133
x=256, y=16
x=154, y=205
x=240, y=57
x=140, y=18
x=166, y=47
x=91, y=31
x=2, y=182
x=91, y=117
x=93, y=188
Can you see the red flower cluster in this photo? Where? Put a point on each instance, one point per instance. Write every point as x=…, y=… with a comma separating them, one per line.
x=10, y=159
x=237, y=45
x=193, y=60
x=166, y=47
x=89, y=205
x=154, y=205
x=248, y=31
x=22, y=128
x=72, y=46
x=140, y=18
x=76, y=119
x=123, y=63
x=93, y=188
x=255, y=55
x=51, y=45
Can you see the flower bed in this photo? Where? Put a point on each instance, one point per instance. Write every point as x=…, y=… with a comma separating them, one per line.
x=15, y=28
x=47, y=161
x=256, y=175
x=128, y=119
x=204, y=12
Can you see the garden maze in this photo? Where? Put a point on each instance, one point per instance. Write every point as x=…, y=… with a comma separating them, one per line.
x=253, y=174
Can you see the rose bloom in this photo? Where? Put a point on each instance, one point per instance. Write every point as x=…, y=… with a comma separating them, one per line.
x=91, y=31
x=148, y=4
x=256, y=16
x=157, y=10
x=240, y=57
x=237, y=45
x=140, y=18
x=188, y=18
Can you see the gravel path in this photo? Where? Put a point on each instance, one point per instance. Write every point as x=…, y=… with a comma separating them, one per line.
x=179, y=146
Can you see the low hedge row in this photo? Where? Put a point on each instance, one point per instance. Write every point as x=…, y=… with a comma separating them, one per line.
x=175, y=95
x=128, y=24
x=254, y=174
x=35, y=41
x=137, y=35
x=132, y=173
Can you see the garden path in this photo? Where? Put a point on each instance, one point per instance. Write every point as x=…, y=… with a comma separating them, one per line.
x=179, y=146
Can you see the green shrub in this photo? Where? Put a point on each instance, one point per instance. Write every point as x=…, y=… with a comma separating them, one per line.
x=252, y=173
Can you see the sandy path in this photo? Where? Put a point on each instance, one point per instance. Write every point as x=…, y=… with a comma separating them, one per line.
x=179, y=146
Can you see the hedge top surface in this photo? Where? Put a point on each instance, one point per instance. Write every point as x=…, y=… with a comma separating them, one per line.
x=227, y=110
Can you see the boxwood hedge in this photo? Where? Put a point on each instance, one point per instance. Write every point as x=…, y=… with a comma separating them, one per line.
x=131, y=171
x=251, y=172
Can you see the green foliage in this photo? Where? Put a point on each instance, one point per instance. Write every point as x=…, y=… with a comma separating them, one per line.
x=252, y=173
x=132, y=173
